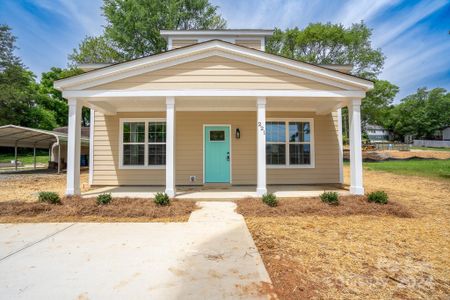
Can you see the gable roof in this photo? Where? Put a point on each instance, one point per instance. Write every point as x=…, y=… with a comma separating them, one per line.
x=209, y=48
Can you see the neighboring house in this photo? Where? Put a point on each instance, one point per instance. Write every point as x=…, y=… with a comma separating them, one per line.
x=377, y=133
x=446, y=134
x=215, y=109
x=55, y=141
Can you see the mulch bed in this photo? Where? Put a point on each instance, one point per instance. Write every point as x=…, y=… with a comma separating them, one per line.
x=78, y=209
x=348, y=205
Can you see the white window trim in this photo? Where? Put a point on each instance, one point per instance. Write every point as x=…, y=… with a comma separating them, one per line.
x=145, y=166
x=313, y=154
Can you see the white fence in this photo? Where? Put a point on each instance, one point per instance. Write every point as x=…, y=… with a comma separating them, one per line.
x=431, y=143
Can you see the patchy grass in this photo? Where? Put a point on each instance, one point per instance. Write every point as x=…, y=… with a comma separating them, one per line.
x=447, y=149
x=425, y=168
x=355, y=256
x=25, y=158
x=87, y=210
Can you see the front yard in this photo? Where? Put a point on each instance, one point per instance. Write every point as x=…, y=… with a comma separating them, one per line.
x=363, y=256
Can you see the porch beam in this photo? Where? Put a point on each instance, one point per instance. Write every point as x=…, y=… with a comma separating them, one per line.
x=73, y=148
x=261, y=146
x=170, y=146
x=356, y=170
x=213, y=93
x=102, y=107
x=325, y=110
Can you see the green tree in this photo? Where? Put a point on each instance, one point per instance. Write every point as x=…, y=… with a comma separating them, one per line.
x=52, y=98
x=421, y=114
x=375, y=106
x=335, y=44
x=132, y=28
x=19, y=95
x=7, y=47
x=330, y=44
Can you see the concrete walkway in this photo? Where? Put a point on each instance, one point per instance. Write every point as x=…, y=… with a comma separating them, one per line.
x=210, y=257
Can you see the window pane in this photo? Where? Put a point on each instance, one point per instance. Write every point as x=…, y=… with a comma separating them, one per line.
x=276, y=132
x=133, y=155
x=299, y=132
x=133, y=132
x=275, y=154
x=156, y=154
x=157, y=132
x=299, y=154
x=217, y=135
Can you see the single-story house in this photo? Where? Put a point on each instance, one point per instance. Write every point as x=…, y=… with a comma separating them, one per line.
x=378, y=133
x=215, y=109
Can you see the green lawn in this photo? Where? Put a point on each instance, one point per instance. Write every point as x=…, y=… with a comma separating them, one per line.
x=417, y=167
x=432, y=148
x=25, y=158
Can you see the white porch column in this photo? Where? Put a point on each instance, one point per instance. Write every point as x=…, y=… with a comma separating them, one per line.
x=341, y=147
x=73, y=148
x=261, y=146
x=356, y=171
x=170, y=146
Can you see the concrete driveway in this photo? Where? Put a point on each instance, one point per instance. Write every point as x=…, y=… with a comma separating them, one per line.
x=210, y=257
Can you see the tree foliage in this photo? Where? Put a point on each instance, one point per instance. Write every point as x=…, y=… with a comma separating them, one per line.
x=420, y=114
x=328, y=43
x=133, y=26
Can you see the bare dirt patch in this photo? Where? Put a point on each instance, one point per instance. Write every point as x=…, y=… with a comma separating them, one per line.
x=363, y=256
x=87, y=210
x=396, y=154
x=25, y=187
x=348, y=205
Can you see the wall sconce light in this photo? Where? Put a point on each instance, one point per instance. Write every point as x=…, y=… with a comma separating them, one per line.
x=238, y=133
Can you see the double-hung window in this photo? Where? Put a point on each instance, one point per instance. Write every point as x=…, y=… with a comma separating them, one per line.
x=289, y=143
x=142, y=143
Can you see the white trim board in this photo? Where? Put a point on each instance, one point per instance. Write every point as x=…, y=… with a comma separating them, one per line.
x=212, y=93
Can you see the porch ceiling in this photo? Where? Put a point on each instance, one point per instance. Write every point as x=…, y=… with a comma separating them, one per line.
x=142, y=104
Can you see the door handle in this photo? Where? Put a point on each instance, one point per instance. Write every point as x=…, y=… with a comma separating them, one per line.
x=228, y=156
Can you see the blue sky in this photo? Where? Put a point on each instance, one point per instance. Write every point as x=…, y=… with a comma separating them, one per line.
x=414, y=35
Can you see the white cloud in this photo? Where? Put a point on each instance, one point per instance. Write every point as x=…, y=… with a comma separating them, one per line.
x=357, y=10
x=86, y=14
x=398, y=24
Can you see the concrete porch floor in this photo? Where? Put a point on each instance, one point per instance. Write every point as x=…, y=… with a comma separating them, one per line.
x=217, y=192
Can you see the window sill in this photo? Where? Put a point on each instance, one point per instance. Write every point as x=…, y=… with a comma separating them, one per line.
x=290, y=166
x=159, y=167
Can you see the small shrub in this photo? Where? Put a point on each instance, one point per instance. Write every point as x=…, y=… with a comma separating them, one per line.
x=162, y=199
x=331, y=198
x=379, y=197
x=49, y=197
x=270, y=199
x=104, y=198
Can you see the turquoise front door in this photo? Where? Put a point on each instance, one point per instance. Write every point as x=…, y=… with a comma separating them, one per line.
x=217, y=154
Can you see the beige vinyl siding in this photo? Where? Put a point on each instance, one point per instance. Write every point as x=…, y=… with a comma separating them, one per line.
x=106, y=154
x=214, y=73
x=182, y=43
x=189, y=150
x=255, y=44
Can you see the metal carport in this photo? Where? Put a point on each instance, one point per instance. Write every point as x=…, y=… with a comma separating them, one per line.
x=25, y=137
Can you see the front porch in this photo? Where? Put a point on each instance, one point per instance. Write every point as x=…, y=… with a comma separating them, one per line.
x=218, y=192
